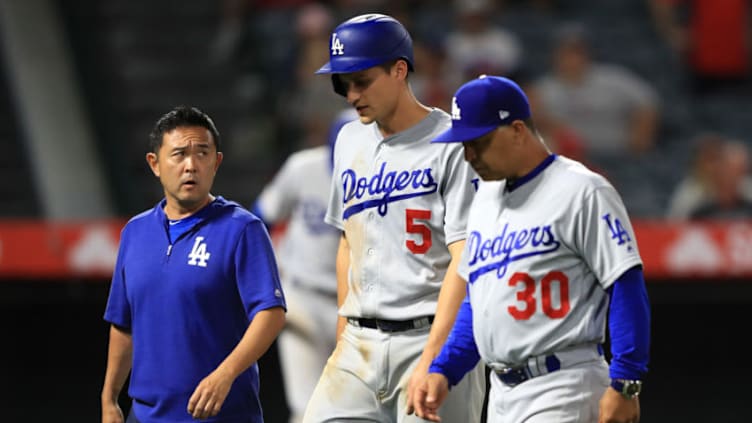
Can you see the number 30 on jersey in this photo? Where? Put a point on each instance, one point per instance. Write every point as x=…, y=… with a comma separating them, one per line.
x=526, y=295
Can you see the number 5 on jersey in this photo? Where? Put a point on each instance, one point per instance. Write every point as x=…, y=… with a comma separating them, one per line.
x=413, y=227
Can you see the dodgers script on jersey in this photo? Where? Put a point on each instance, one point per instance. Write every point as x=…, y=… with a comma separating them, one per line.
x=399, y=209
x=300, y=192
x=543, y=264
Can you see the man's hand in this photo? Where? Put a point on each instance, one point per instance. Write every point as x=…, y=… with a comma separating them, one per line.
x=615, y=408
x=210, y=394
x=416, y=380
x=429, y=395
x=111, y=412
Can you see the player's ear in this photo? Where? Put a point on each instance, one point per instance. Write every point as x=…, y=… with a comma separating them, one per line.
x=220, y=156
x=519, y=130
x=400, y=69
x=152, y=159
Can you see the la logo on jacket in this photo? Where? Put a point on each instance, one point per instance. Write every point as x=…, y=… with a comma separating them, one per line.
x=199, y=255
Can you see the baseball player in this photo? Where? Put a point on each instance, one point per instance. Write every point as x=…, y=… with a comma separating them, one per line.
x=550, y=256
x=298, y=196
x=401, y=204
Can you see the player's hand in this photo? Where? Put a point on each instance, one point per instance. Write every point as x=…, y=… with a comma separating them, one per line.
x=210, y=394
x=429, y=396
x=111, y=412
x=615, y=408
x=416, y=379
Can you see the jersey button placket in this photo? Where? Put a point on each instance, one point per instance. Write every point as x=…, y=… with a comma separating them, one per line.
x=373, y=264
x=373, y=228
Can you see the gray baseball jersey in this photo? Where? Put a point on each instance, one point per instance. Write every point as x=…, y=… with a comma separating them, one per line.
x=400, y=201
x=539, y=258
x=299, y=194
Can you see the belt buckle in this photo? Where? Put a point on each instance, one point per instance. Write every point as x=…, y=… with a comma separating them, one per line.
x=505, y=370
x=512, y=376
x=420, y=323
x=355, y=322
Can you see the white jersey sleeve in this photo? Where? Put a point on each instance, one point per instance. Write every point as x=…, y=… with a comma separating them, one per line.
x=604, y=236
x=278, y=197
x=458, y=194
x=334, y=207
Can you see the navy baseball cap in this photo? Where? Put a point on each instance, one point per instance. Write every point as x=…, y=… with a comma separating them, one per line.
x=482, y=105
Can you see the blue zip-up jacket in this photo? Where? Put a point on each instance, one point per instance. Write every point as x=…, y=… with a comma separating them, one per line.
x=187, y=303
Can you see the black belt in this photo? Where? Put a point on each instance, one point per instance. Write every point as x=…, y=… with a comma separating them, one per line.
x=512, y=376
x=537, y=366
x=391, y=325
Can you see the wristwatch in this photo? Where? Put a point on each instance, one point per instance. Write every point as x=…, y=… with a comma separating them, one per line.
x=628, y=388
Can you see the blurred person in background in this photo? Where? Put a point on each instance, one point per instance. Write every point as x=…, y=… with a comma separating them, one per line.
x=477, y=45
x=611, y=109
x=432, y=85
x=696, y=186
x=230, y=29
x=296, y=199
x=195, y=298
x=310, y=102
x=561, y=139
x=712, y=37
x=731, y=187
x=248, y=30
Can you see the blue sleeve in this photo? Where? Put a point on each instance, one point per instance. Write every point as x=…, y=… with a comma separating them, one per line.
x=256, y=271
x=460, y=353
x=629, y=326
x=118, y=309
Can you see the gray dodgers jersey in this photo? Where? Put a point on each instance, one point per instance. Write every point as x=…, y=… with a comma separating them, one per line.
x=400, y=200
x=299, y=193
x=539, y=259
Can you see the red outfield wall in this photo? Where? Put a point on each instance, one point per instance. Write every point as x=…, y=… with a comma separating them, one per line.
x=670, y=250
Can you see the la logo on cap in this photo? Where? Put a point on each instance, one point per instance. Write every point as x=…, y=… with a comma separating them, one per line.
x=503, y=114
x=455, y=110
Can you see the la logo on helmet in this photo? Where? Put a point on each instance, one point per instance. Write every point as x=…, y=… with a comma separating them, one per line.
x=338, y=49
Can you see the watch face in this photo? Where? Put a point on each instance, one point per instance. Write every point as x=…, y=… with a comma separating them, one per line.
x=632, y=388
x=628, y=388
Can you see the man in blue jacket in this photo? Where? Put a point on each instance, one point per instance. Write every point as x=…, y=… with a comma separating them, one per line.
x=195, y=297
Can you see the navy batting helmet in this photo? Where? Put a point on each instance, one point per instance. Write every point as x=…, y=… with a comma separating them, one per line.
x=366, y=41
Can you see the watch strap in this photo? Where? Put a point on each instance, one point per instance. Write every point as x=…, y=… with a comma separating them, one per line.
x=628, y=388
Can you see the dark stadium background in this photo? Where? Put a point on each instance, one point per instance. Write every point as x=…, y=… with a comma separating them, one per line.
x=133, y=60
x=55, y=343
